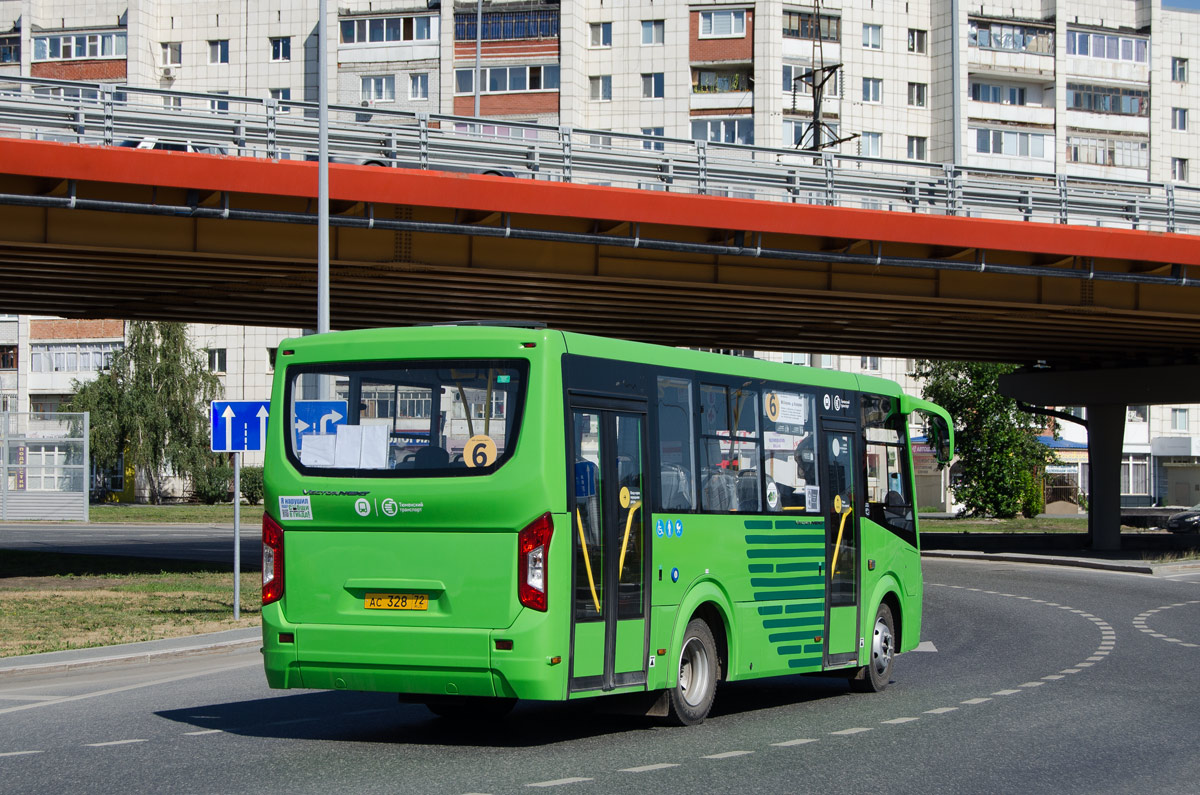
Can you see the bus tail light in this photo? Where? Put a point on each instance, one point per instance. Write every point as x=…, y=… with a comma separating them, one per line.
x=533, y=546
x=272, y=562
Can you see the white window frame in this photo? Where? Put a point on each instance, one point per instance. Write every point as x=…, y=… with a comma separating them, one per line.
x=655, y=30
x=918, y=41
x=281, y=49
x=737, y=23
x=218, y=52
x=1179, y=119
x=1179, y=70
x=1179, y=419
x=418, y=86
x=281, y=95
x=656, y=132
x=94, y=45
x=1179, y=169
x=872, y=144
x=374, y=89
x=600, y=88
x=604, y=29
x=918, y=147
x=872, y=36
x=361, y=28
x=922, y=92
x=654, y=85
x=872, y=90
x=171, y=53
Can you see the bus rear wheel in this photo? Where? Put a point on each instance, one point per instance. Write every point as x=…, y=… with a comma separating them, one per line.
x=875, y=675
x=693, y=695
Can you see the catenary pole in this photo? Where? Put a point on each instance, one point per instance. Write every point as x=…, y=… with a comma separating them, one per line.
x=322, y=173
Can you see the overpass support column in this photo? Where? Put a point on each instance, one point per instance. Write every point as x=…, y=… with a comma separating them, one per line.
x=1106, y=435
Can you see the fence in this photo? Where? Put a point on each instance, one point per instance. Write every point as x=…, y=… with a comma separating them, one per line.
x=44, y=466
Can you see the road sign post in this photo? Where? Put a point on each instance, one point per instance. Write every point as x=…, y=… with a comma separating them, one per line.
x=237, y=426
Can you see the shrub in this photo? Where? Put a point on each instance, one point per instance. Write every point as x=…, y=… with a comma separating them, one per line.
x=210, y=482
x=252, y=484
x=1033, y=498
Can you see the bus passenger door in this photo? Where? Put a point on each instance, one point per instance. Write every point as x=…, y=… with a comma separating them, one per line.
x=839, y=456
x=609, y=513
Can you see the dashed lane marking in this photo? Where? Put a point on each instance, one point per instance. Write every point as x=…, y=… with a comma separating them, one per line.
x=897, y=721
x=790, y=743
x=204, y=731
x=940, y=710
x=113, y=742
x=1031, y=684
x=727, y=755
x=648, y=768
x=855, y=730
x=20, y=753
x=1006, y=692
x=1053, y=677
x=558, y=782
x=975, y=701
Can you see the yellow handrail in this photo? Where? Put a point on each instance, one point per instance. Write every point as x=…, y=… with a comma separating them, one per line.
x=837, y=547
x=637, y=506
x=587, y=561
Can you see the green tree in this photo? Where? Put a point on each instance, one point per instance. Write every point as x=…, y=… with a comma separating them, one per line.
x=996, y=443
x=151, y=405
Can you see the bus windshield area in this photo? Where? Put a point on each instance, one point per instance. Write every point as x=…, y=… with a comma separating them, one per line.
x=427, y=418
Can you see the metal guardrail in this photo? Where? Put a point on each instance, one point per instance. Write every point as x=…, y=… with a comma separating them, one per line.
x=120, y=115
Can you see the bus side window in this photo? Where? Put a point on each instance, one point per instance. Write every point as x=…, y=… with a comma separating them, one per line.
x=729, y=451
x=675, y=455
x=789, y=425
x=889, y=493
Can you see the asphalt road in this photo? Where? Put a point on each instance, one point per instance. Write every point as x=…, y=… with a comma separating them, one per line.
x=174, y=542
x=1044, y=680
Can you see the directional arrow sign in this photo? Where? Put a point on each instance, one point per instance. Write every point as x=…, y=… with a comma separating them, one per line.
x=239, y=425
x=317, y=416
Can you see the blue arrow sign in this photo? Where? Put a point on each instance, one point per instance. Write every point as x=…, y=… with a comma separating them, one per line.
x=239, y=425
x=317, y=416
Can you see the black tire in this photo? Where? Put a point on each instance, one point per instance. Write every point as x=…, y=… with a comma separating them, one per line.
x=470, y=707
x=876, y=674
x=693, y=694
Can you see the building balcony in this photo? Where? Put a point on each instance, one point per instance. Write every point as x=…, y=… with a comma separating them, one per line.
x=1006, y=62
x=714, y=100
x=1022, y=114
x=1108, y=122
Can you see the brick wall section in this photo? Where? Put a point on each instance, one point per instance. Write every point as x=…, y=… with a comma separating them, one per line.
x=106, y=69
x=76, y=329
x=516, y=48
x=722, y=112
x=507, y=104
x=740, y=49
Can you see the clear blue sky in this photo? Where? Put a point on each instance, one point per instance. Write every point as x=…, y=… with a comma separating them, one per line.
x=1191, y=4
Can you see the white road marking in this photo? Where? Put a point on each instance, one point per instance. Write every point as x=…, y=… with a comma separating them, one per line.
x=20, y=753
x=27, y=698
x=648, y=768
x=1031, y=684
x=925, y=645
x=204, y=731
x=855, y=730
x=975, y=701
x=895, y=721
x=1069, y=671
x=1006, y=692
x=727, y=755
x=136, y=686
x=113, y=742
x=1053, y=677
x=1084, y=665
x=940, y=710
x=558, y=782
x=789, y=743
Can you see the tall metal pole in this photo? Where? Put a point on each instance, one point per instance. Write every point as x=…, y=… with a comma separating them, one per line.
x=237, y=536
x=322, y=173
x=478, y=51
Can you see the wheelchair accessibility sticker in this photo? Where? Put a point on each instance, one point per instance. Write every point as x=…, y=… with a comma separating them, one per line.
x=668, y=528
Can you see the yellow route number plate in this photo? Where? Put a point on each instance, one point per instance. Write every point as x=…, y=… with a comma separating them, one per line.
x=397, y=601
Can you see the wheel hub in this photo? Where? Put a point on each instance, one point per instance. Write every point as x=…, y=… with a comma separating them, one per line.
x=882, y=647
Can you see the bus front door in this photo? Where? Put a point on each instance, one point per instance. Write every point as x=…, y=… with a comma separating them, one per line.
x=609, y=510
x=841, y=544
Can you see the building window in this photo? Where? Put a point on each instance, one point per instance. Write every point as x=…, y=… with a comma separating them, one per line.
x=67, y=47
x=1012, y=143
x=653, y=31
x=282, y=95
x=1179, y=119
x=72, y=357
x=172, y=53
x=717, y=82
x=1135, y=474
x=729, y=131
x=871, y=144
x=917, y=40
x=216, y=360
x=418, y=86
x=798, y=133
x=8, y=357
x=916, y=94
x=281, y=48
x=1019, y=38
x=1137, y=413
x=1108, y=152
x=218, y=51
x=219, y=105
x=722, y=24
x=869, y=363
x=10, y=49
x=827, y=361
x=172, y=103
x=653, y=145
x=379, y=88
x=1000, y=95
x=271, y=352
x=504, y=25
x=1108, y=99
x=1179, y=70
x=807, y=25
x=653, y=85
x=600, y=88
x=507, y=79
x=800, y=359
x=378, y=30
x=799, y=78
x=601, y=34
x=872, y=89
x=916, y=148
x=873, y=37
x=1179, y=169
x=1179, y=419
x=1112, y=48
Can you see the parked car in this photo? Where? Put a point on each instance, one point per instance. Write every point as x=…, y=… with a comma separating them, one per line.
x=151, y=142
x=1185, y=521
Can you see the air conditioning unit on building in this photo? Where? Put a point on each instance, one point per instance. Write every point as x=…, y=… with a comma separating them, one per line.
x=168, y=72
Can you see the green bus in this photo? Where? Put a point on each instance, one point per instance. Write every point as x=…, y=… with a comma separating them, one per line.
x=470, y=515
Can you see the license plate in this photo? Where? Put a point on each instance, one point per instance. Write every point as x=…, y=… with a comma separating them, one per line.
x=397, y=601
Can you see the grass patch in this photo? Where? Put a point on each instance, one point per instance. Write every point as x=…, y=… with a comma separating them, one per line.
x=1066, y=524
x=175, y=514
x=53, y=601
x=1182, y=556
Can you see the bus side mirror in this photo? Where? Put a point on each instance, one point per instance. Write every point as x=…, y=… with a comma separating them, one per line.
x=938, y=433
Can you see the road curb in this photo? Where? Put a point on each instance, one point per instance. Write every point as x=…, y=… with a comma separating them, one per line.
x=130, y=657
x=1048, y=560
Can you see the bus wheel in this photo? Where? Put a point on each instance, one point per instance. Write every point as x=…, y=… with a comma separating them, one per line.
x=471, y=707
x=875, y=675
x=692, y=697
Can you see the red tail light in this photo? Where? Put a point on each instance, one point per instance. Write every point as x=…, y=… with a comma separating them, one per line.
x=533, y=553
x=272, y=562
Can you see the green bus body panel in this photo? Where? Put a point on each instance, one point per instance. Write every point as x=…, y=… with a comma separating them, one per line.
x=762, y=574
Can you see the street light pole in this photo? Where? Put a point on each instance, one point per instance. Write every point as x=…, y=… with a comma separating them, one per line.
x=322, y=173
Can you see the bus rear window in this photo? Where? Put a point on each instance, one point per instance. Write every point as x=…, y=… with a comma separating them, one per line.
x=382, y=419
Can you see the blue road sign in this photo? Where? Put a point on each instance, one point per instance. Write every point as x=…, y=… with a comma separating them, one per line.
x=318, y=416
x=239, y=425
